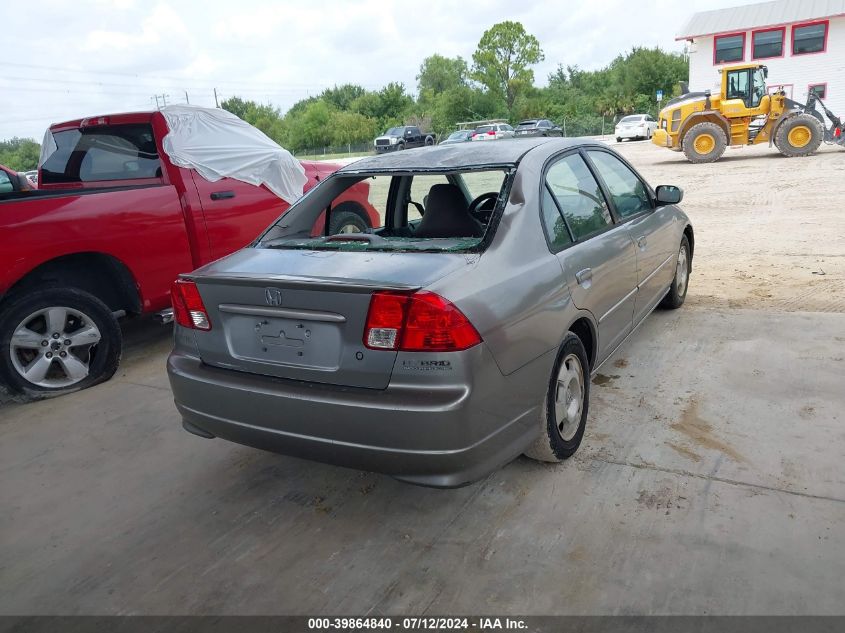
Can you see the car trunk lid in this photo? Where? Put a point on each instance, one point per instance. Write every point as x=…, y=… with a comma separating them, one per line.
x=300, y=314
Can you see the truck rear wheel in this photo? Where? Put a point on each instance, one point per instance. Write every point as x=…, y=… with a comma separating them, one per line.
x=346, y=219
x=54, y=340
x=799, y=135
x=704, y=143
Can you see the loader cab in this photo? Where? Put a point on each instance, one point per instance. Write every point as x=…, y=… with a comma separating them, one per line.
x=744, y=91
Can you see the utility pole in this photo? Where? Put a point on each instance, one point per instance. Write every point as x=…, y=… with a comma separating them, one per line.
x=188, y=101
x=163, y=100
x=216, y=105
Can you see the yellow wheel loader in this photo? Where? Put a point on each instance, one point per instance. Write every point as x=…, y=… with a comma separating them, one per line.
x=702, y=125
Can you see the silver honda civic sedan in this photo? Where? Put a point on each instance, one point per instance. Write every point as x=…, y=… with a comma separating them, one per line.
x=444, y=343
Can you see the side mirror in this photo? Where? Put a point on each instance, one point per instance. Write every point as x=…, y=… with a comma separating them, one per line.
x=669, y=194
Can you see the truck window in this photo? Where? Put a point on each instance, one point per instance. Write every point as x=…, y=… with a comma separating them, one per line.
x=5, y=182
x=103, y=153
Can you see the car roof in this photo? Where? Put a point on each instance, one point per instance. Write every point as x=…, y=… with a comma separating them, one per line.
x=502, y=153
x=530, y=121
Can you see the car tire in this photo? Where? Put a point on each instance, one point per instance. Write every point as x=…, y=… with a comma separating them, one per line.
x=677, y=294
x=799, y=135
x=618, y=139
x=345, y=220
x=400, y=147
x=562, y=424
x=429, y=141
x=704, y=143
x=75, y=362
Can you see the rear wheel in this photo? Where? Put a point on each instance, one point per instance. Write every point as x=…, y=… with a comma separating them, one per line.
x=55, y=340
x=704, y=143
x=429, y=141
x=345, y=220
x=799, y=135
x=678, y=290
x=563, y=416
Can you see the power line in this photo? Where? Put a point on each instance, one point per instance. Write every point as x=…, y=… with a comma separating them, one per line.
x=194, y=80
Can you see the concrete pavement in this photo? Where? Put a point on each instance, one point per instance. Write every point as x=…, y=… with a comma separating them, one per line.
x=711, y=480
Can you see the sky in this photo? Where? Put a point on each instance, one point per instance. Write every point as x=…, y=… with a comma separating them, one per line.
x=62, y=60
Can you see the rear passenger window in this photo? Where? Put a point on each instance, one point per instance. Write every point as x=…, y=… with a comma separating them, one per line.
x=102, y=153
x=578, y=196
x=629, y=194
x=556, y=231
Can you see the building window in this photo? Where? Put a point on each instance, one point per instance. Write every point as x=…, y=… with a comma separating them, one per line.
x=767, y=43
x=729, y=48
x=820, y=90
x=809, y=38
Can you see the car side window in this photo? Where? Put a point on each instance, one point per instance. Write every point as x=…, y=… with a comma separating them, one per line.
x=5, y=182
x=578, y=196
x=628, y=192
x=553, y=222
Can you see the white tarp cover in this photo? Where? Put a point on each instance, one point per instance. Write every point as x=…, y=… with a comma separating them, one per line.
x=217, y=144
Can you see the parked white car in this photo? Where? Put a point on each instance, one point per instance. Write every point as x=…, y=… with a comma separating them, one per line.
x=493, y=132
x=636, y=126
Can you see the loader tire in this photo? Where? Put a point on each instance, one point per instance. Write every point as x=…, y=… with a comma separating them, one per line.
x=799, y=135
x=704, y=143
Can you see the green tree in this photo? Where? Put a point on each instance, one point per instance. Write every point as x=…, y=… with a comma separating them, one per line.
x=237, y=106
x=439, y=74
x=20, y=154
x=351, y=127
x=341, y=97
x=502, y=59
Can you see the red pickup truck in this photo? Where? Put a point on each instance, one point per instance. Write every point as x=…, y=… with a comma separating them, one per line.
x=112, y=224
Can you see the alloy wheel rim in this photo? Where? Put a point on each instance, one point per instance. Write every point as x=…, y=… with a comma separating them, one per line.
x=799, y=136
x=682, y=272
x=569, y=397
x=704, y=143
x=53, y=347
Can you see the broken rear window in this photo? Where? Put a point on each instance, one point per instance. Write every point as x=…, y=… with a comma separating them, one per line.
x=408, y=211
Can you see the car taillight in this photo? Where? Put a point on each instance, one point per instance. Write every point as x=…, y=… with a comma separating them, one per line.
x=188, y=308
x=491, y=133
x=419, y=322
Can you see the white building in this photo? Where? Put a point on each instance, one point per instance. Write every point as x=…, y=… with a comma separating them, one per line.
x=801, y=41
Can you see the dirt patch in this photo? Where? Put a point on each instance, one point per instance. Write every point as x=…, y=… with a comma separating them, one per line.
x=701, y=432
x=662, y=499
x=621, y=363
x=684, y=451
x=807, y=412
x=603, y=379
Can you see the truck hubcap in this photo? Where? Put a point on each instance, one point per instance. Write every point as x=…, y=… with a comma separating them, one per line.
x=799, y=136
x=52, y=347
x=704, y=143
x=569, y=397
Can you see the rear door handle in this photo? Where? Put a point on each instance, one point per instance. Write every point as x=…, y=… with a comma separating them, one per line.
x=222, y=195
x=642, y=241
x=584, y=277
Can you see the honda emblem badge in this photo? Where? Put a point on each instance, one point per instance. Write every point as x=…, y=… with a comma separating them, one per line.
x=273, y=296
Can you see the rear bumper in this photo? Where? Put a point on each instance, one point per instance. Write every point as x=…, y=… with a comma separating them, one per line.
x=443, y=436
x=634, y=132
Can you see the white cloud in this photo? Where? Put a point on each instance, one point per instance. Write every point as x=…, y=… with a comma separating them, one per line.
x=65, y=60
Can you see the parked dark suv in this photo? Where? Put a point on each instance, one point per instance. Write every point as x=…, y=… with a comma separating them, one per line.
x=538, y=127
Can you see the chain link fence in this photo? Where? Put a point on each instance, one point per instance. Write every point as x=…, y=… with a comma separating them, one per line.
x=571, y=126
x=335, y=151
